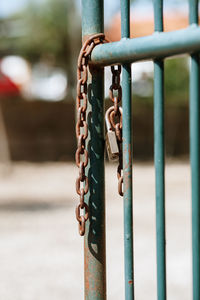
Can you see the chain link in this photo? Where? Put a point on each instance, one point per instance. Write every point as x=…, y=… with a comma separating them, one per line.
x=82, y=182
x=115, y=118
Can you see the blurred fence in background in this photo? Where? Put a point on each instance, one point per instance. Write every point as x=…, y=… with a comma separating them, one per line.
x=44, y=131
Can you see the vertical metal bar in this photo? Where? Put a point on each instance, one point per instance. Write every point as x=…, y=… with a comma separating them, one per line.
x=94, y=240
x=127, y=158
x=194, y=155
x=159, y=158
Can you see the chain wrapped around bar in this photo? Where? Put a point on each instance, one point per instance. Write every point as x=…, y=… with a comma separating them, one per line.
x=115, y=94
x=82, y=183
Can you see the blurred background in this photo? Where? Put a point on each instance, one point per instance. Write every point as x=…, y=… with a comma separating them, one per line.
x=40, y=250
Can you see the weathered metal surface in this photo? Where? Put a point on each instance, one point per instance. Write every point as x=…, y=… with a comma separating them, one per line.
x=115, y=119
x=160, y=176
x=195, y=170
x=127, y=159
x=158, y=45
x=155, y=47
x=111, y=138
x=82, y=182
x=94, y=239
x=92, y=17
x=159, y=159
x=195, y=156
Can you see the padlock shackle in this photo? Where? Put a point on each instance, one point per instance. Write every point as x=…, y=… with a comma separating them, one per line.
x=107, y=117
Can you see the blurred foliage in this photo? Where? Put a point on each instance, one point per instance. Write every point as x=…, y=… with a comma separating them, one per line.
x=49, y=31
x=177, y=80
x=176, y=84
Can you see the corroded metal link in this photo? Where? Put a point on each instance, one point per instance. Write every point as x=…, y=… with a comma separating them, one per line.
x=80, y=151
x=82, y=171
x=78, y=129
x=118, y=132
x=84, y=100
x=82, y=74
x=120, y=171
x=119, y=68
x=115, y=79
x=82, y=199
x=78, y=212
x=119, y=93
x=82, y=218
x=115, y=118
x=115, y=84
x=119, y=168
x=120, y=186
x=82, y=182
x=82, y=226
x=116, y=107
x=81, y=142
x=78, y=185
x=81, y=88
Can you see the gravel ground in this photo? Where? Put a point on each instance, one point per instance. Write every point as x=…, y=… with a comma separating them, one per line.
x=41, y=254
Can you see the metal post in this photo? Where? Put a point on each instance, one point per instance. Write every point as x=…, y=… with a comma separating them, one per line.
x=159, y=159
x=127, y=158
x=194, y=156
x=94, y=240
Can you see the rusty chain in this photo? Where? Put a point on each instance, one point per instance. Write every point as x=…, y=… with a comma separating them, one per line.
x=115, y=118
x=82, y=182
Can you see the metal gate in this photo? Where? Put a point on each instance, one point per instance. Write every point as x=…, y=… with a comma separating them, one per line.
x=156, y=47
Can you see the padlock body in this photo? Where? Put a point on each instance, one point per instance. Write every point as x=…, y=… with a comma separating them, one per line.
x=111, y=145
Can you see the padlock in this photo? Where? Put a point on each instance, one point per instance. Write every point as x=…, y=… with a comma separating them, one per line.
x=111, y=139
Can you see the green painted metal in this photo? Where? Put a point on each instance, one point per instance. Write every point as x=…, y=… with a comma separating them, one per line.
x=94, y=240
x=193, y=11
x=127, y=159
x=195, y=156
x=125, y=18
x=195, y=170
x=155, y=47
x=159, y=159
x=158, y=45
x=160, y=176
x=92, y=17
x=158, y=15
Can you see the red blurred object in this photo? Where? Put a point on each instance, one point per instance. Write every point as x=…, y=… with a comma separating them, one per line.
x=7, y=86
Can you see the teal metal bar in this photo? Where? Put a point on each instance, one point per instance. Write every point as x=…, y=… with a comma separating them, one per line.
x=158, y=45
x=160, y=177
x=94, y=240
x=92, y=17
x=159, y=159
x=127, y=158
x=195, y=171
x=194, y=156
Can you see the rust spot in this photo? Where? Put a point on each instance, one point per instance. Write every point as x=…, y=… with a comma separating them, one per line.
x=86, y=267
x=127, y=168
x=129, y=153
x=130, y=281
x=86, y=37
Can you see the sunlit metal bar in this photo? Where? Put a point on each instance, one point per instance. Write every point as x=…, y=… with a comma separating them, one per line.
x=127, y=158
x=94, y=240
x=158, y=45
x=159, y=158
x=194, y=155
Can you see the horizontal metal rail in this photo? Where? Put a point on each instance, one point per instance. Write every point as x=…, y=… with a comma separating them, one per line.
x=157, y=45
